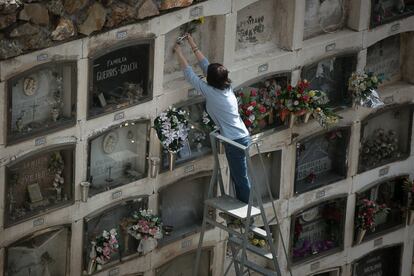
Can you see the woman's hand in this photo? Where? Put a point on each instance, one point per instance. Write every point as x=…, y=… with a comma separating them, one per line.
x=191, y=41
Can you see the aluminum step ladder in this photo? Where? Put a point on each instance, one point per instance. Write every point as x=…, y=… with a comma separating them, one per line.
x=238, y=241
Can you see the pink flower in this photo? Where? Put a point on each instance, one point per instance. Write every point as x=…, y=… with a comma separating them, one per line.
x=262, y=109
x=253, y=93
x=153, y=231
x=106, y=251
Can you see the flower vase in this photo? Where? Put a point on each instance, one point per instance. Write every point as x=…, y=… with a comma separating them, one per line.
x=410, y=217
x=360, y=235
x=147, y=245
x=292, y=119
x=172, y=156
x=306, y=117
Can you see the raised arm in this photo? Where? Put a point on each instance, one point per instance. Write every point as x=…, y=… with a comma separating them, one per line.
x=202, y=60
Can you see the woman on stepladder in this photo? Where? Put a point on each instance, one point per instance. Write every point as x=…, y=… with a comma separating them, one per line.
x=222, y=106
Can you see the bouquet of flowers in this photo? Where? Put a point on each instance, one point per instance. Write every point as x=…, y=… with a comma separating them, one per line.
x=191, y=26
x=409, y=189
x=380, y=146
x=363, y=87
x=172, y=129
x=102, y=248
x=146, y=225
x=294, y=100
x=208, y=122
x=367, y=211
x=251, y=110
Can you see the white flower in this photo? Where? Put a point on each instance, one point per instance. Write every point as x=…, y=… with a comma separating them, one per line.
x=99, y=249
x=252, y=117
x=295, y=103
x=113, y=232
x=105, y=234
x=250, y=108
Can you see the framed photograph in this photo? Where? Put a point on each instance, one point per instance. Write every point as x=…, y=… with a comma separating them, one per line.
x=35, y=194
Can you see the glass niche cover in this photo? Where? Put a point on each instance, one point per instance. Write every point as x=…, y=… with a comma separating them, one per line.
x=120, y=77
x=41, y=100
x=321, y=160
x=116, y=218
x=183, y=265
x=318, y=230
x=118, y=156
x=385, y=137
x=45, y=253
x=384, y=11
x=181, y=206
x=390, y=194
x=38, y=183
x=331, y=76
x=198, y=142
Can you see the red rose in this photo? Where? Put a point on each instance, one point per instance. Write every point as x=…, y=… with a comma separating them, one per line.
x=262, y=109
x=289, y=88
x=247, y=123
x=253, y=103
x=253, y=93
x=305, y=98
x=248, y=112
x=241, y=94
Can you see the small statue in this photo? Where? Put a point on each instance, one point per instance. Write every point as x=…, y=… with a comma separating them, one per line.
x=55, y=114
x=19, y=122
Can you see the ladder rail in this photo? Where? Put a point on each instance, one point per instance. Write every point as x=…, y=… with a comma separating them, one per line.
x=217, y=177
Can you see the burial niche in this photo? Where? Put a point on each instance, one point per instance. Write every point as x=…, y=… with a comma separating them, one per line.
x=385, y=137
x=385, y=11
x=318, y=231
x=38, y=183
x=41, y=100
x=44, y=253
x=120, y=77
x=118, y=156
x=321, y=159
x=331, y=75
x=183, y=265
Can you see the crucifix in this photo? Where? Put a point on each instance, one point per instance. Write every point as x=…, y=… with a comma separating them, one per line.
x=34, y=107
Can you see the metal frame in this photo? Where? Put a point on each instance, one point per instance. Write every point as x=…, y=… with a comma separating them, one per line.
x=240, y=260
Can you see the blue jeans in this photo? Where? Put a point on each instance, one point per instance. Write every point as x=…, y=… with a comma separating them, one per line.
x=238, y=168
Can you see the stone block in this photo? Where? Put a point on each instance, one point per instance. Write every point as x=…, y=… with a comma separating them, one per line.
x=64, y=30
x=35, y=13
x=95, y=20
x=170, y=4
x=148, y=8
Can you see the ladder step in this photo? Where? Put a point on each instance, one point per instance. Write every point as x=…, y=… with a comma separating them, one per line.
x=232, y=206
x=258, y=268
x=257, y=250
x=259, y=231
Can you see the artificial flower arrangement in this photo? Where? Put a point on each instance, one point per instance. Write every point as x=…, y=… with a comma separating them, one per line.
x=363, y=88
x=367, y=212
x=192, y=26
x=409, y=189
x=252, y=112
x=102, y=248
x=147, y=228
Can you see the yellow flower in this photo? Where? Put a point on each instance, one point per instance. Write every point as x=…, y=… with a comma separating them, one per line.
x=201, y=19
x=312, y=93
x=262, y=243
x=255, y=241
x=318, y=109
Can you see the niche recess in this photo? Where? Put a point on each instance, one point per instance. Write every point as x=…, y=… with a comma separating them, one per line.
x=385, y=11
x=117, y=216
x=38, y=183
x=258, y=29
x=44, y=253
x=198, y=143
x=324, y=17
x=206, y=37
x=41, y=100
x=118, y=156
x=385, y=137
x=331, y=76
x=392, y=194
x=183, y=265
x=183, y=211
x=318, y=231
x=120, y=77
x=321, y=159
x=384, y=261
x=329, y=272
x=266, y=90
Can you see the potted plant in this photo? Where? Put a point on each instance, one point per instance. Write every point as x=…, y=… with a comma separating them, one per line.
x=363, y=89
x=368, y=211
x=147, y=228
x=172, y=130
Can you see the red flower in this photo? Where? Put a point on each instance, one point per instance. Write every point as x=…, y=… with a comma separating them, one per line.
x=289, y=88
x=248, y=112
x=262, y=109
x=253, y=93
x=305, y=98
x=241, y=94
x=247, y=123
x=278, y=93
x=253, y=103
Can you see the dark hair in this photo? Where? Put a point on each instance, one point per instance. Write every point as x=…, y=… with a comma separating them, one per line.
x=217, y=76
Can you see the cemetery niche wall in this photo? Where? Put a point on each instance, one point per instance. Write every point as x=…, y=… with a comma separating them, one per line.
x=384, y=57
x=324, y=17
x=391, y=195
x=385, y=137
x=331, y=76
x=321, y=159
x=183, y=265
x=385, y=261
x=318, y=230
x=41, y=100
x=257, y=102
x=44, y=253
x=38, y=183
x=385, y=11
x=198, y=143
x=116, y=218
x=120, y=77
x=118, y=156
x=182, y=212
